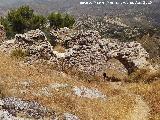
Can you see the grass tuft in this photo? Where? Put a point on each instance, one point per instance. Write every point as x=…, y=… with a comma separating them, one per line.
x=18, y=54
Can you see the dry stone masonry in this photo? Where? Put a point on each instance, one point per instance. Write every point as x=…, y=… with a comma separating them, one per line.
x=88, y=52
x=2, y=34
x=35, y=44
x=85, y=51
x=62, y=35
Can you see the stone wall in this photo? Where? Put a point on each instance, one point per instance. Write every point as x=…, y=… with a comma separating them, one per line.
x=2, y=34
x=85, y=51
x=88, y=52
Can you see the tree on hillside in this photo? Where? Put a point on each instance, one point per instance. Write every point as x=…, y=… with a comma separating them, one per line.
x=7, y=27
x=24, y=19
x=55, y=20
x=21, y=20
x=37, y=21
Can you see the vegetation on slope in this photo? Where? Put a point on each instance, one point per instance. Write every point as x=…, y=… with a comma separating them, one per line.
x=23, y=19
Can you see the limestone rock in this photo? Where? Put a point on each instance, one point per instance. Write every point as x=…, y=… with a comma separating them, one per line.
x=29, y=108
x=68, y=116
x=88, y=93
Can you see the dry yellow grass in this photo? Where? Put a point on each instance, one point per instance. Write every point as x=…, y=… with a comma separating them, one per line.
x=151, y=94
x=118, y=105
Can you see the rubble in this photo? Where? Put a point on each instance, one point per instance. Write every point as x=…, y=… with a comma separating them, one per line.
x=29, y=108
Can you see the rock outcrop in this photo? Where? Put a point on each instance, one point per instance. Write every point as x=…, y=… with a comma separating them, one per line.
x=12, y=108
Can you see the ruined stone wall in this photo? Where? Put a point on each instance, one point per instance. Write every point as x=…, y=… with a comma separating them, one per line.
x=2, y=34
x=87, y=51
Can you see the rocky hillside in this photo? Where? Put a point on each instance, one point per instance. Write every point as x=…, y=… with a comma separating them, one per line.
x=136, y=13
x=92, y=78
x=41, y=91
x=100, y=68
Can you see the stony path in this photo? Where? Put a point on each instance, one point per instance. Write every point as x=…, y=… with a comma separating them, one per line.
x=140, y=110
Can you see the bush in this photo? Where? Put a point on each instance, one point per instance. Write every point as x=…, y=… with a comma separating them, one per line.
x=37, y=21
x=18, y=54
x=8, y=29
x=58, y=20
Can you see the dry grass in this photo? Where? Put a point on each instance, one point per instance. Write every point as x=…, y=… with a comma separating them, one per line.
x=144, y=75
x=59, y=48
x=116, y=70
x=118, y=105
x=150, y=93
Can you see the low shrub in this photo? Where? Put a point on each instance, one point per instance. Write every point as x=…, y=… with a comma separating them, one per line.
x=18, y=54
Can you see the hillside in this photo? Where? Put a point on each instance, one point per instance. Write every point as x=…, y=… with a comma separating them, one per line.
x=151, y=12
x=92, y=78
x=83, y=67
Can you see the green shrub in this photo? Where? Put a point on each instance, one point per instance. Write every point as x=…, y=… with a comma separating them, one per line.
x=58, y=20
x=7, y=27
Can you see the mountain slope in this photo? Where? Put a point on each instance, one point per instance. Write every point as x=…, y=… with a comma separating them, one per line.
x=151, y=12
